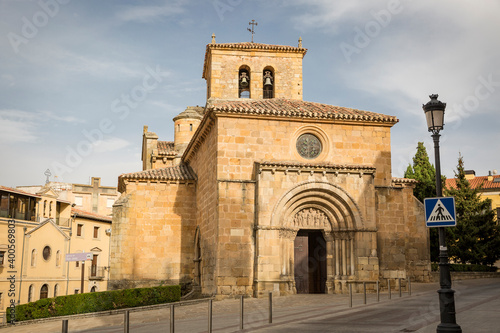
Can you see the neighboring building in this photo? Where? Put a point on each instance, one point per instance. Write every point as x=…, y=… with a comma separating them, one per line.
x=261, y=191
x=488, y=187
x=93, y=198
x=46, y=228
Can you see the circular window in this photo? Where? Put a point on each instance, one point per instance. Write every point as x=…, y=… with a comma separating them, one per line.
x=46, y=252
x=308, y=146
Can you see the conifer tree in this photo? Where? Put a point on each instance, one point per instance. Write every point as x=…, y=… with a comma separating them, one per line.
x=425, y=173
x=476, y=238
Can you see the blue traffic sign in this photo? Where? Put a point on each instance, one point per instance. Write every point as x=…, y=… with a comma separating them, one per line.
x=440, y=212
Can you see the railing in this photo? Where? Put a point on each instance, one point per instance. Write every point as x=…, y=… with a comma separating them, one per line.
x=96, y=272
x=389, y=290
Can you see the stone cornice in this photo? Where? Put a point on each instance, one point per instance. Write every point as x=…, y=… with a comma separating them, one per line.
x=312, y=168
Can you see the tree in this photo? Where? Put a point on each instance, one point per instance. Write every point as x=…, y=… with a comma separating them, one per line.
x=425, y=173
x=476, y=238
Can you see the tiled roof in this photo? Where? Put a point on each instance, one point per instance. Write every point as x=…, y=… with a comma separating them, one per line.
x=280, y=107
x=175, y=173
x=250, y=46
x=93, y=216
x=404, y=180
x=256, y=46
x=476, y=182
x=166, y=148
x=14, y=190
x=317, y=166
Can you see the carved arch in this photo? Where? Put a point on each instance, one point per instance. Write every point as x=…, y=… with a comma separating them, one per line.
x=342, y=211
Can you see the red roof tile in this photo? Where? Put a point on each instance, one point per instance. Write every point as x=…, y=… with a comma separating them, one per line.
x=14, y=190
x=166, y=148
x=476, y=182
x=81, y=213
x=175, y=173
x=280, y=107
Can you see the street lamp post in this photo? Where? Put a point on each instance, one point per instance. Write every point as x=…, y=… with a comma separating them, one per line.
x=434, y=114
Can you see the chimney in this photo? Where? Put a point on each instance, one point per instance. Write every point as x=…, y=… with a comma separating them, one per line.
x=470, y=174
x=490, y=176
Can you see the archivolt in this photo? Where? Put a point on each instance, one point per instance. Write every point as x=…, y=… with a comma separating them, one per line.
x=343, y=213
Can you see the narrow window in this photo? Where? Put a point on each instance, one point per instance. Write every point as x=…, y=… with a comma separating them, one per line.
x=79, y=229
x=77, y=291
x=45, y=208
x=56, y=290
x=96, y=232
x=190, y=127
x=2, y=256
x=33, y=258
x=244, y=82
x=30, y=293
x=268, y=83
x=58, y=258
x=44, y=292
x=77, y=264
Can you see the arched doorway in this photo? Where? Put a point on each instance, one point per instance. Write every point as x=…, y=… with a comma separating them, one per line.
x=310, y=262
x=44, y=291
x=93, y=289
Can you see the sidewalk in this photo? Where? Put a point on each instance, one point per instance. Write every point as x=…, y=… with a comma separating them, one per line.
x=477, y=304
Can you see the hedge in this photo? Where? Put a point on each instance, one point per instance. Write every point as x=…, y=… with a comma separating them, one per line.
x=466, y=268
x=96, y=301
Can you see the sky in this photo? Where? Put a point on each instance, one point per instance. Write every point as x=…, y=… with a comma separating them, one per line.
x=80, y=79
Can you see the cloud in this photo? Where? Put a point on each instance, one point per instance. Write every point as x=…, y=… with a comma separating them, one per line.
x=146, y=14
x=110, y=144
x=17, y=126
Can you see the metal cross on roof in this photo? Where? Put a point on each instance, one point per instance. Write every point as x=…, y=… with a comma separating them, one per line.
x=48, y=174
x=253, y=24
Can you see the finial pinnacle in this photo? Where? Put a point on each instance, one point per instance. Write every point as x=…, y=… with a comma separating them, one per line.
x=300, y=42
x=213, y=38
x=253, y=24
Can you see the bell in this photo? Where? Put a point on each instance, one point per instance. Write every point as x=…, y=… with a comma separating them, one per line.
x=244, y=82
x=268, y=82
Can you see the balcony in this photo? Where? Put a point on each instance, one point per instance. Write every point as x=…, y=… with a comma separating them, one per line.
x=97, y=272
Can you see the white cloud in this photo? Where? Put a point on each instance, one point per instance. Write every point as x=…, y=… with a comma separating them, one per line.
x=17, y=126
x=110, y=144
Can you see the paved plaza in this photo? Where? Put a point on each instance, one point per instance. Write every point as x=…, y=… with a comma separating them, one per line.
x=477, y=303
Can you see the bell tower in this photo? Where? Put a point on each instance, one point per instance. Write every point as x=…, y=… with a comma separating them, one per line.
x=253, y=70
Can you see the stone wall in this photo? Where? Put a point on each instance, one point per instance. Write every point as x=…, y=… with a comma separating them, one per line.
x=204, y=165
x=403, y=238
x=153, y=234
x=224, y=66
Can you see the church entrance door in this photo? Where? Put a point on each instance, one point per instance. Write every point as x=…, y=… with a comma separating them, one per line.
x=310, y=262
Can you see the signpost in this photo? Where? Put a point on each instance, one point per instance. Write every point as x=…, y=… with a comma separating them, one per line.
x=440, y=212
x=80, y=256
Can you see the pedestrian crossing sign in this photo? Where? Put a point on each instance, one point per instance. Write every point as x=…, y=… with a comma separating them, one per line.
x=440, y=212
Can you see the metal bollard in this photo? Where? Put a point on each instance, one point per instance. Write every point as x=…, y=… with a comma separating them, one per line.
x=378, y=291
x=209, y=316
x=126, y=321
x=172, y=319
x=350, y=295
x=270, y=307
x=241, y=313
x=65, y=326
x=389, y=287
x=399, y=281
x=409, y=286
x=364, y=292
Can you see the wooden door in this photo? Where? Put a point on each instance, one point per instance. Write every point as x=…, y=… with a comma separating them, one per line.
x=301, y=269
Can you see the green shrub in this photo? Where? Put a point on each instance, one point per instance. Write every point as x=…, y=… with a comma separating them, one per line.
x=94, y=302
x=466, y=268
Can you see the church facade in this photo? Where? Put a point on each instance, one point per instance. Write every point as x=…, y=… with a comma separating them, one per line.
x=261, y=191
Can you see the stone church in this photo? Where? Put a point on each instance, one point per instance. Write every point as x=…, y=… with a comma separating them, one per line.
x=261, y=191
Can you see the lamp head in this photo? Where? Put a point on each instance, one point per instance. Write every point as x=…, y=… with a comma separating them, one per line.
x=434, y=114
